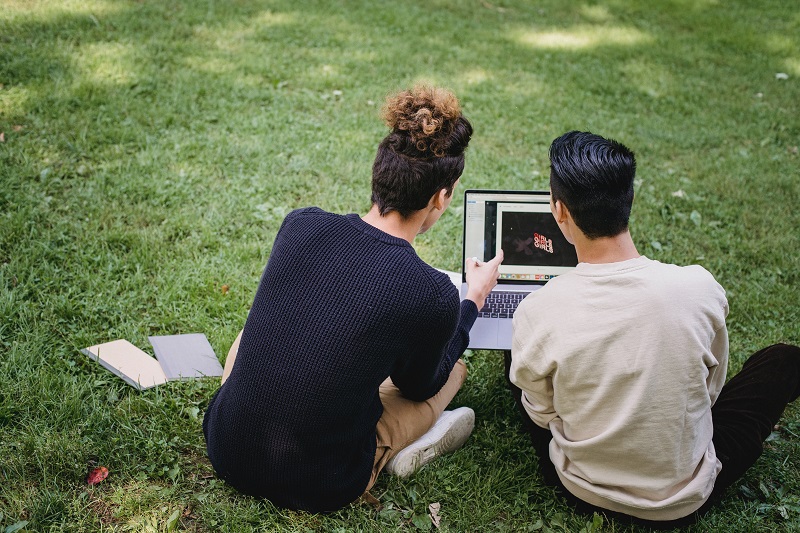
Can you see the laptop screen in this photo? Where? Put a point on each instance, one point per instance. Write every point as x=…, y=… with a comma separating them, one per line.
x=521, y=224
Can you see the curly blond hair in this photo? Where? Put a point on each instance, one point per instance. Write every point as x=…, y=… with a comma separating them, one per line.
x=426, y=114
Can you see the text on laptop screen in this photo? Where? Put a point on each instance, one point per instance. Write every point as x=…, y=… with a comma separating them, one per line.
x=522, y=225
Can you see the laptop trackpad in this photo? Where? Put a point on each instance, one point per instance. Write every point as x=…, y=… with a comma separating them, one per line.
x=483, y=334
x=504, y=334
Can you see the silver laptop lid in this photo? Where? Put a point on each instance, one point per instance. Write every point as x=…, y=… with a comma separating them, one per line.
x=521, y=224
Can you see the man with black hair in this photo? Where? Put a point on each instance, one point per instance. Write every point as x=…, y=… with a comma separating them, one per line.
x=618, y=367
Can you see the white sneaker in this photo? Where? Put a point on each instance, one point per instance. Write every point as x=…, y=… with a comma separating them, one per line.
x=448, y=434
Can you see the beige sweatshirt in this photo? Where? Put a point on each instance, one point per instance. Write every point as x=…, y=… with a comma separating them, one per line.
x=623, y=361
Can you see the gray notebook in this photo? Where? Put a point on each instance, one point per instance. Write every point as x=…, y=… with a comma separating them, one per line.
x=186, y=356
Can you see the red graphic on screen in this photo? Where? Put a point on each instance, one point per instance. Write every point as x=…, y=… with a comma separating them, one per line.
x=543, y=243
x=539, y=241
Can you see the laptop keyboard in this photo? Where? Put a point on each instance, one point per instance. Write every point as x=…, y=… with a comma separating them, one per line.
x=501, y=304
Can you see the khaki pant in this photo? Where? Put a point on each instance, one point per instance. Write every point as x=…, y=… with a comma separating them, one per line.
x=403, y=421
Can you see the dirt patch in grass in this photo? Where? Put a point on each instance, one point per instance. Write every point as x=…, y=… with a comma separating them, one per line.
x=103, y=510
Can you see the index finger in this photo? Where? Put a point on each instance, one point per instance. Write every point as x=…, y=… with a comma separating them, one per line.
x=496, y=260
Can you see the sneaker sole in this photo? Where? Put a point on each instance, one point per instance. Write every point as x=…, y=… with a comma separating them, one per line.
x=447, y=435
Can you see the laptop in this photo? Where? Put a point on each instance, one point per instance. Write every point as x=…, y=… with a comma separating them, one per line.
x=521, y=224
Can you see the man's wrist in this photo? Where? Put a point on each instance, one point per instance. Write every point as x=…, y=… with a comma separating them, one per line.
x=476, y=297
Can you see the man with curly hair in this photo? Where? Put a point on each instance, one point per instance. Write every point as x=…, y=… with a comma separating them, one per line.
x=350, y=352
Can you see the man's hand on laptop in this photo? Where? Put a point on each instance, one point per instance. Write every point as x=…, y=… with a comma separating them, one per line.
x=481, y=278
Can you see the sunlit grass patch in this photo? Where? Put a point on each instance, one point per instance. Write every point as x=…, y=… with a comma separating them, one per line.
x=782, y=43
x=474, y=76
x=42, y=10
x=14, y=102
x=583, y=37
x=793, y=66
x=109, y=63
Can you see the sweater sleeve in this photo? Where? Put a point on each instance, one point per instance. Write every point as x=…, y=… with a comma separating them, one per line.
x=532, y=371
x=716, y=374
x=422, y=374
x=719, y=348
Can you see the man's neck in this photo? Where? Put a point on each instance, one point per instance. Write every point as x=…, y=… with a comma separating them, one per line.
x=394, y=224
x=605, y=249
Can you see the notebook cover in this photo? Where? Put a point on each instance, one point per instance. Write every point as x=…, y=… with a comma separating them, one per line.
x=127, y=361
x=186, y=356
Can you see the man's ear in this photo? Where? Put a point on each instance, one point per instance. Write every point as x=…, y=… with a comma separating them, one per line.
x=561, y=211
x=439, y=198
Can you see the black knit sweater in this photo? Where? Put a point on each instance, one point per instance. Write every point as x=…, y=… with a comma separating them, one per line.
x=341, y=306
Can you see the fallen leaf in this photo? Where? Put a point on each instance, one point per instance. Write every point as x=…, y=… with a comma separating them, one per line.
x=2, y=136
x=16, y=127
x=656, y=245
x=434, y=510
x=97, y=475
x=225, y=289
x=696, y=217
x=781, y=76
x=172, y=521
x=679, y=193
x=16, y=527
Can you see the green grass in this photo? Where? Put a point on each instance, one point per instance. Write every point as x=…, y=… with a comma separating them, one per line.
x=151, y=150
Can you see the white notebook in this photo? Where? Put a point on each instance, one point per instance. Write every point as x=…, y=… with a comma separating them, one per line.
x=130, y=363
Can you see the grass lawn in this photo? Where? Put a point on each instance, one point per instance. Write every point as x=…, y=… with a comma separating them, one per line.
x=149, y=151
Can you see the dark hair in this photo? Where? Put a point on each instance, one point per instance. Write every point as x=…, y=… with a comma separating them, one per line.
x=593, y=177
x=424, y=152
